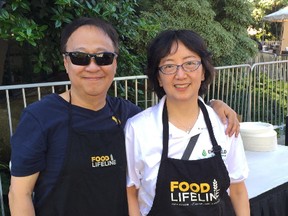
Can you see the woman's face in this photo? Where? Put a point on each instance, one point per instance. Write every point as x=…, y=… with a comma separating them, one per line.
x=91, y=79
x=181, y=86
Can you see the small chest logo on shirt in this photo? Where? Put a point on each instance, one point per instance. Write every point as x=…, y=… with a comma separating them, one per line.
x=103, y=161
x=223, y=152
x=188, y=194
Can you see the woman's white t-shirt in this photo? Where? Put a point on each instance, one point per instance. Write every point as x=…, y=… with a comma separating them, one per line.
x=144, y=148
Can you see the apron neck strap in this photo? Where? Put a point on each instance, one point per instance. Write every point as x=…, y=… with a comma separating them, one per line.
x=216, y=147
x=165, y=132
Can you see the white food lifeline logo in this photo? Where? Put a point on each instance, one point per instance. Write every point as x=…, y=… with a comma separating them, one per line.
x=103, y=161
x=186, y=194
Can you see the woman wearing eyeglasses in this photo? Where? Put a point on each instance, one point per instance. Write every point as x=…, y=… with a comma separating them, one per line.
x=68, y=152
x=180, y=162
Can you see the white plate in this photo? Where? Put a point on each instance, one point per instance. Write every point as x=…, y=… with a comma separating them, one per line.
x=255, y=127
x=258, y=143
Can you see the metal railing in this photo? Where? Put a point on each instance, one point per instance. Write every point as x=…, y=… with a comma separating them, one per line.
x=256, y=93
x=230, y=85
x=133, y=88
x=269, y=92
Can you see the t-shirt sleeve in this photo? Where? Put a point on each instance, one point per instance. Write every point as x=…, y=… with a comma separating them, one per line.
x=27, y=147
x=131, y=151
x=236, y=161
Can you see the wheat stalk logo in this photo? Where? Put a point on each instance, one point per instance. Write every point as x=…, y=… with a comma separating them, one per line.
x=216, y=190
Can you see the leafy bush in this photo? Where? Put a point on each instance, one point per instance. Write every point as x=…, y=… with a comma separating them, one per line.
x=37, y=26
x=272, y=94
x=223, y=25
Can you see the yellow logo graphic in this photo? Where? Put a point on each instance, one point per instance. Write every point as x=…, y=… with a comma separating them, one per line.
x=185, y=193
x=103, y=161
x=116, y=120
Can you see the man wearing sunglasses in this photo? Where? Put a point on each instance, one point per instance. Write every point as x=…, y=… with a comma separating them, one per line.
x=68, y=151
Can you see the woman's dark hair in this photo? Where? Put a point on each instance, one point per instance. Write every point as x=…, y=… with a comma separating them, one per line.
x=83, y=21
x=160, y=47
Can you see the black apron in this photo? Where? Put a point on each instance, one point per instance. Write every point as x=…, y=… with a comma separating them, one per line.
x=93, y=179
x=192, y=187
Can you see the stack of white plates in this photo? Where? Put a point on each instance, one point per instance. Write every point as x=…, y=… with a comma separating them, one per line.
x=258, y=136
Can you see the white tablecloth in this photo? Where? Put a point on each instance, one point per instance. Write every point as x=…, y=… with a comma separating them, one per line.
x=267, y=170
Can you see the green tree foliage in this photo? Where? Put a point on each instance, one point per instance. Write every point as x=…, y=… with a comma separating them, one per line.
x=222, y=23
x=266, y=30
x=235, y=17
x=16, y=24
x=38, y=25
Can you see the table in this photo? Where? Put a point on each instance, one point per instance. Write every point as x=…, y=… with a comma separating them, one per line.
x=267, y=183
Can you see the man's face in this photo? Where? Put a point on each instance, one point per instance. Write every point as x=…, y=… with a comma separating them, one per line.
x=91, y=79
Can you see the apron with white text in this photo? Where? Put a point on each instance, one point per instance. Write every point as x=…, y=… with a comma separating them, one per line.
x=93, y=179
x=192, y=187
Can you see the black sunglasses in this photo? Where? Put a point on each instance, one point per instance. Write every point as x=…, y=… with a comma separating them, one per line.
x=80, y=58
